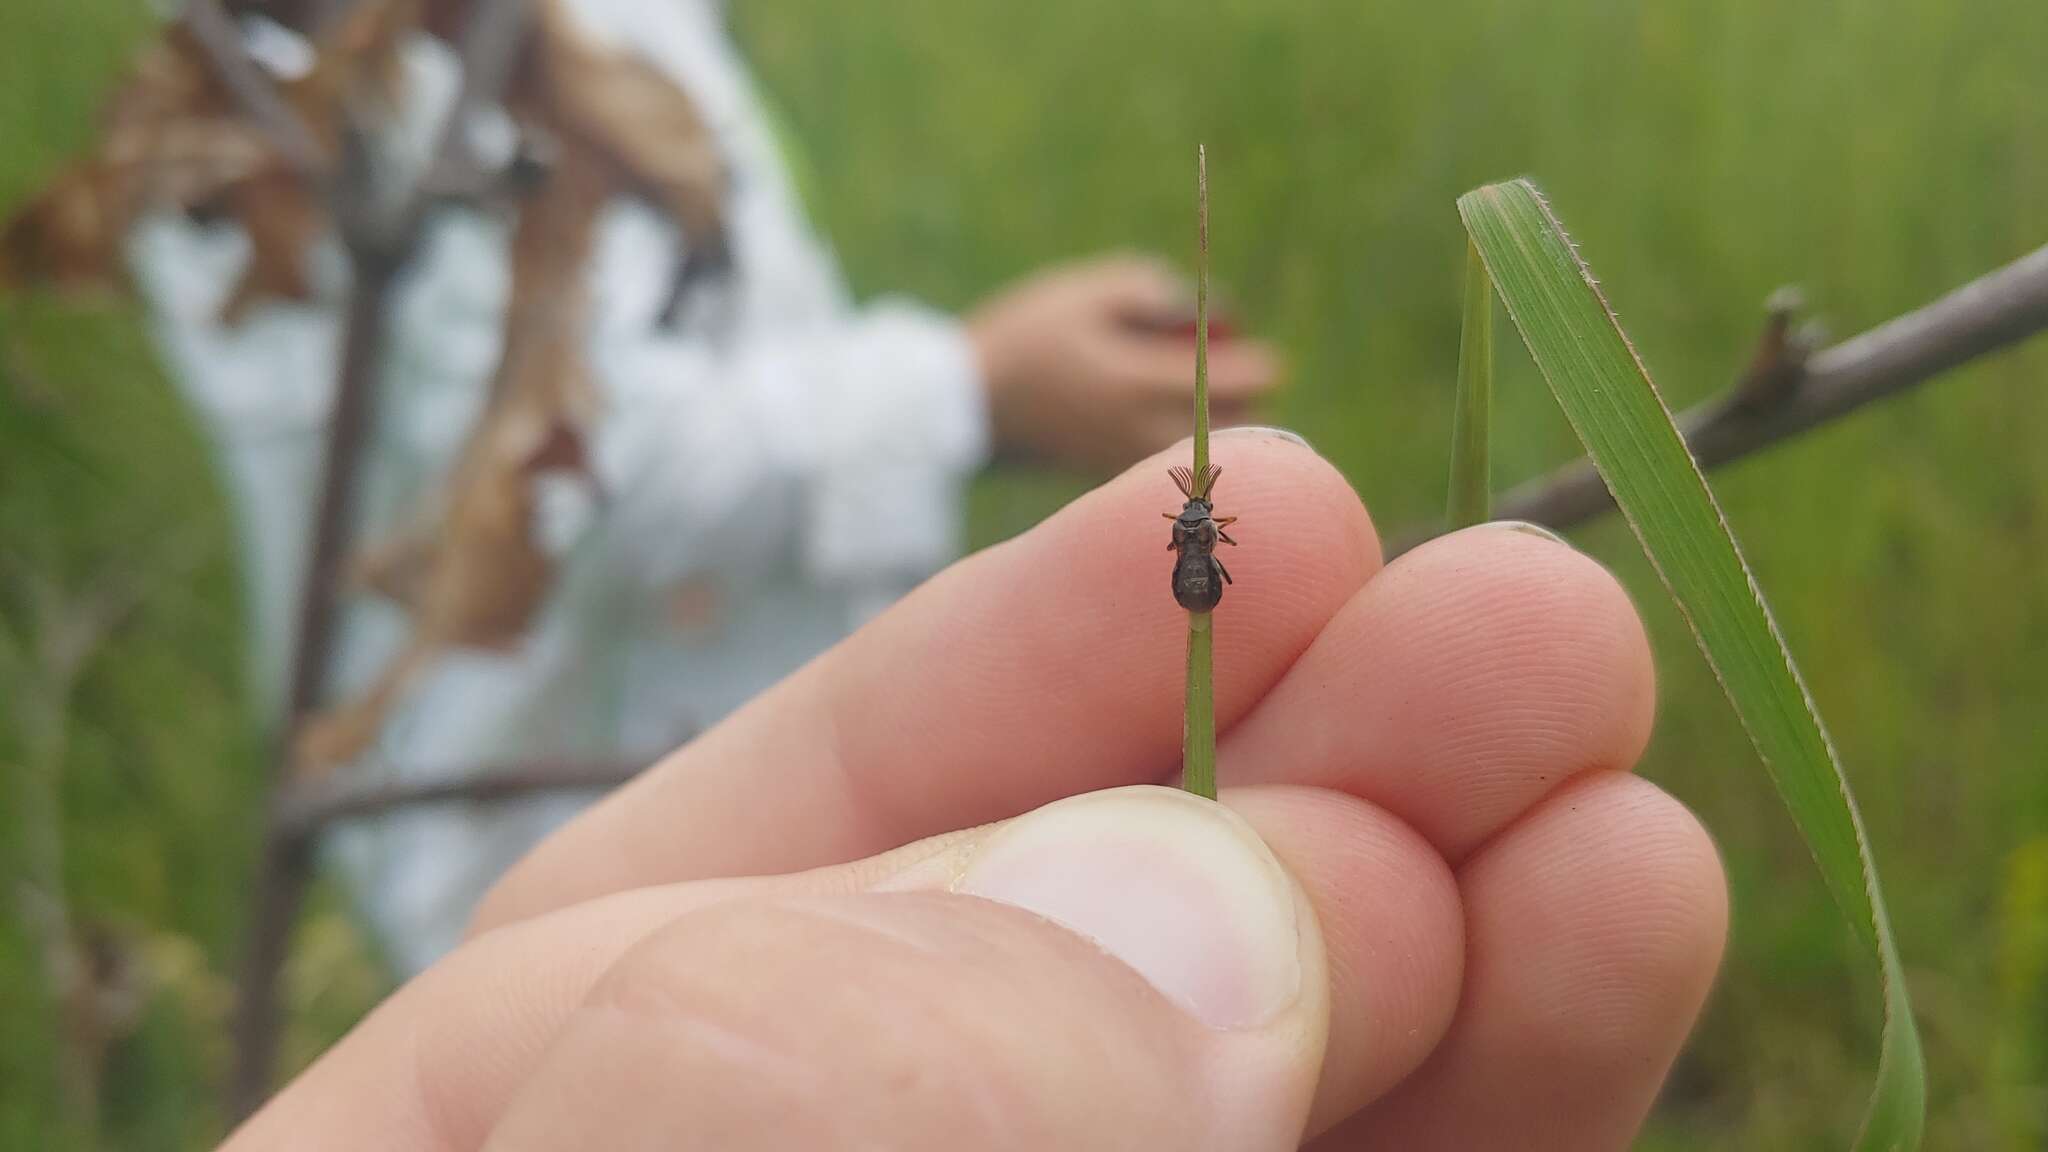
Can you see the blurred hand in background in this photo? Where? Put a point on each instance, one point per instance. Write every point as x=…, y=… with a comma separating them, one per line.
x=1094, y=363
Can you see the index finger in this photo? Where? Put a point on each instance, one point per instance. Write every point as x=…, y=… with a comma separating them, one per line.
x=1048, y=665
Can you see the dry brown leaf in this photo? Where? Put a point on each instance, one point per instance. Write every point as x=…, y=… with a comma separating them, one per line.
x=163, y=136
x=67, y=237
x=483, y=574
x=282, y=221
x=394, y=567
x=618, y=106
x=341, y=734
x=173, y=137
x=622, y=108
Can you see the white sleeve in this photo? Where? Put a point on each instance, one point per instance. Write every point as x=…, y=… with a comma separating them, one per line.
x=876, y=421
x=872, y=418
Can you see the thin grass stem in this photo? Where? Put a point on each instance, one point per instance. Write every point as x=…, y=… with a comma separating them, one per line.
x=1198, y=738
x=1198, y=742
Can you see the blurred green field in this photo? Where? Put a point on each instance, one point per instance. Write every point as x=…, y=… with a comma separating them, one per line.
x=1703, y=151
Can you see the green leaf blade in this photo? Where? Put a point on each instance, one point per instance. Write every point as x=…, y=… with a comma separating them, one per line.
x=1608, y=397
x=1471, y=497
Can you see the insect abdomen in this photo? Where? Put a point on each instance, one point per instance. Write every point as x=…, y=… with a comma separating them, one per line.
x=1197, y=583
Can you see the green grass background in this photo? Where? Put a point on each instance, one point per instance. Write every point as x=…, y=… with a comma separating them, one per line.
x=1704, y=151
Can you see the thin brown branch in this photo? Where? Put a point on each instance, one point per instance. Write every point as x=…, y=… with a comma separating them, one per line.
x=379, y=247
x=286, y=863
x=281, y=126
x=348, y=426
x=302, y=810
x=1987, y=315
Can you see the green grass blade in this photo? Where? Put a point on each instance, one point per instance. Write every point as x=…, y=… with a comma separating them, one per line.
x=1201, y=309
x=1472, y=427
x=1616, y=411
x=1198, y=738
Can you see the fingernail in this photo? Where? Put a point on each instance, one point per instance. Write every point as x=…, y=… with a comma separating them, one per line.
x=1265, y=430
x=1179, y=888
x=1531, y=529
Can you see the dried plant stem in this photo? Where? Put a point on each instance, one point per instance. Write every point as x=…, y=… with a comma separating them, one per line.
x=380, y=232
x=1198, y=738
x=300, y=811
x=1989, y=314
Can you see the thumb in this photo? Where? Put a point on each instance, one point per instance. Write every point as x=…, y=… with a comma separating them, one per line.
x=1124, y=969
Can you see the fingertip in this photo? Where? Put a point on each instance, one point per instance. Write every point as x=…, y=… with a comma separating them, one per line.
x=1560, y=609
x=1594, y=928
x=1465, y=681
x=1594, y=597
x=1639, y=883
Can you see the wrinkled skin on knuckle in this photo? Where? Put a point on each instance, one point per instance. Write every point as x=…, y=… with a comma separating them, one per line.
x=824, y=1024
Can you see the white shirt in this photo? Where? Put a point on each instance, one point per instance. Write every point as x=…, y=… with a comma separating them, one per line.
x=773, y=471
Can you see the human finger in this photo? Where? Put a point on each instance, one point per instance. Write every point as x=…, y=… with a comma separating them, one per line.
x=440, y=1064
x=1176, y=998
x=1477, y=673
x=1594, y=926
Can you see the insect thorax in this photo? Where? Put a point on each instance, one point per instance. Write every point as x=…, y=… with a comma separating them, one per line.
x=1195, y=527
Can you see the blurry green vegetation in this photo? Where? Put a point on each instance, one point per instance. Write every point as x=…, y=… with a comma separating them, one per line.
x=1709, y=150
x=150, y=752
x=101, y=477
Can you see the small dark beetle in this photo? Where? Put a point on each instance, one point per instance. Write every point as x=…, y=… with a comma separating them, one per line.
x=1198, y=576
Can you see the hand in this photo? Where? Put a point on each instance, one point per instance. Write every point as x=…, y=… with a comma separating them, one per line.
x=1435, y=911
x=1080, y=366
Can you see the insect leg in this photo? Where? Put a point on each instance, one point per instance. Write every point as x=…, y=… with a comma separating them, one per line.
x=1225, y=537
x=1220, y=568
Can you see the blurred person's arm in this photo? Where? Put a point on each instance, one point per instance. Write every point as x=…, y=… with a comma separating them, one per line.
x=878, y=413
